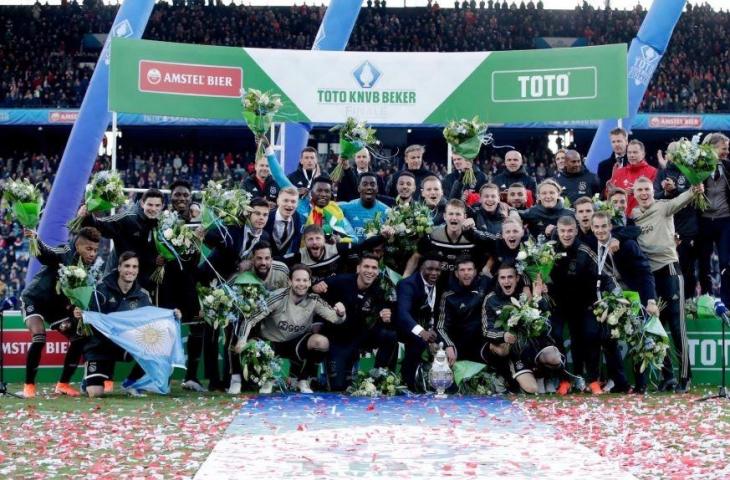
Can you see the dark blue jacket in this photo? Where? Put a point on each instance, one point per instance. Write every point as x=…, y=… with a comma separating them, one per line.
x=576, y=185
x=226, y=244
x=289, y=247
x=630, y=267
x=413, y=306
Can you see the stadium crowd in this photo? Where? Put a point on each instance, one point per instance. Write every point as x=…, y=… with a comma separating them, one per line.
x=53, y=69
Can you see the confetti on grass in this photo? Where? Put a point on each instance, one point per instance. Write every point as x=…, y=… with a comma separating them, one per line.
x=151, y=437
x=658, y=436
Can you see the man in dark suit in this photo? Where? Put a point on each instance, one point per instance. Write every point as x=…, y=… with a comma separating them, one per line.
x=284, y=226
x=417, y=300
x=619, y=142
x=232, y=245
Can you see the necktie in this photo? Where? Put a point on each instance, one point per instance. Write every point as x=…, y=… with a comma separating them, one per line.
x=284, y=232
x=431, y=295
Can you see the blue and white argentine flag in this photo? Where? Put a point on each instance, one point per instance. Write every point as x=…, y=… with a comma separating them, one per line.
x=151, y=335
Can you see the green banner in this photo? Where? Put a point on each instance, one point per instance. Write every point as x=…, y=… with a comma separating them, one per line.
x=182, y=80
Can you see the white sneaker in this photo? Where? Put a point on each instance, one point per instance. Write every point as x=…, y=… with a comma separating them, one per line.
x=193, y=386
x=134, y=392
x=304, y=386
x=235, y=387
x=267, y=387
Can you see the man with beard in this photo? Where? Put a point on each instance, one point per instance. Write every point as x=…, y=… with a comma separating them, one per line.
x=576, y=180
x=490, y=214
x=327, y=259
x=629, y=267
x=576, y=284
x=405, y=188
x=516, y=358
x=366, y=208
x=517, y=197
x=715, y=220
x=514, y=172
x=456, y=238
x=413, y=165
x=657, y=241
x=132, y=230
x=347, y=189
x=307, y=171
x=541, y=218
x=417, y=302
x=669, y=183
x=367, y=326
x=231, y=251
x=232, y=246
x=286, y=323
x=619, y=142
x=274, y=275
x=284, y=226
x=625, y=177
x=44, y=304
x=460, y=315
x=433, y=197
x=261, y=184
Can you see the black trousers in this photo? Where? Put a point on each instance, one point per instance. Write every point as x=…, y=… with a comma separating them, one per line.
x=575, y=322
x=715, y=234
x=670, y=288
x=689, y=254
x=344, y=352
x=414, y=348
x=597, y=338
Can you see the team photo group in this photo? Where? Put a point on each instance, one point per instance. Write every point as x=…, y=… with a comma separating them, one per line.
x=471, y=282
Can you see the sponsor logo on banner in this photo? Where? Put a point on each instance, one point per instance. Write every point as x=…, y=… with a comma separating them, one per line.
x=644, y=66
x=17, y=342
x=190, y=79
x=706, y=353
x=366, y=75
x=61, y=116
x=675, y=121
x=542, y=85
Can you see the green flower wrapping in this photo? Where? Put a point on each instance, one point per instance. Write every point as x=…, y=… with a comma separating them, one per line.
x=466, y=137
x=696, y=162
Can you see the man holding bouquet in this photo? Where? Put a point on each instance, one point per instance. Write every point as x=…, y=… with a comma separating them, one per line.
x=42, y=303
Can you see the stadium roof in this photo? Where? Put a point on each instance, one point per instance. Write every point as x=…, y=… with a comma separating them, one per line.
x=549, y=4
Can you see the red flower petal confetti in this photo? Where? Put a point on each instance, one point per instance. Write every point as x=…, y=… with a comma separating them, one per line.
x=656, y=436
x=151, y=437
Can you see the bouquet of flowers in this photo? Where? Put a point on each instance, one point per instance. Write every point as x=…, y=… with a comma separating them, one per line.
x=466, y=138
x=78, y=284
x=260, y=363
x=472, y=378
x=616, y=216
x=696, y=162
x=523, y=318
x=410, y=222
x=173, y=240
x=25, y=201
x=537, y=258
x=217, y=305
x=259, y=109
x=377, y=382
x=618, y=313
x=354, y=136
x=224, y=207
x=649, y=345
x=104, y=193
x=251, y=294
